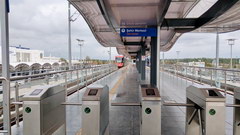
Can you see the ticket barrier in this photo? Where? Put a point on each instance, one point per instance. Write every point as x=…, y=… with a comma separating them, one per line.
x=95, y=110
x=207, y=117
x=43, y=113
x=151, y=111
x=236, y=120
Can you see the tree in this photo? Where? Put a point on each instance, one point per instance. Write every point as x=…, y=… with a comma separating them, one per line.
x=87, y=58
x=63, y=60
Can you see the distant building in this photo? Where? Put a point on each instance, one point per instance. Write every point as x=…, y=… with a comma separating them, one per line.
x=19, y=54
x=196, y=64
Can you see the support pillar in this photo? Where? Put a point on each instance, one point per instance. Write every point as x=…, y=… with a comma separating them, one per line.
x=155, y=60
x=217, y=81
x=140, y=62
x=153, y=68
x=143, y=63
x=137, y=62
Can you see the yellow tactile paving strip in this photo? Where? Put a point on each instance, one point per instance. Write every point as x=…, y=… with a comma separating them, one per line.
x=112, y=92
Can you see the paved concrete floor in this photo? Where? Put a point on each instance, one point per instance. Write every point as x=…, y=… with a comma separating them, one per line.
x=174, y=89
x=125, y=120
x=73, y=113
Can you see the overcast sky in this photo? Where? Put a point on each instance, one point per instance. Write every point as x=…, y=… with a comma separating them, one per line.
x=42, y=24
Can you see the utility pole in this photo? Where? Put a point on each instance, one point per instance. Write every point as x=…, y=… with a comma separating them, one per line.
x=69, y=37
x=217, y=82
x=178, y=52
x=109, y=52
x=4, y=10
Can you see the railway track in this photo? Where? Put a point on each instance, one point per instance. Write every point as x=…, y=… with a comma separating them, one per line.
x=72, y=88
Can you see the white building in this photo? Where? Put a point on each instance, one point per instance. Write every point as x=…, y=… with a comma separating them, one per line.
x=19, y=54
x=196, y=64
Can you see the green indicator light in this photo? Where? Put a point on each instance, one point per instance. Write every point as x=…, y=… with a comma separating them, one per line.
x=28, y=109
x=87, y=110
x=212, y=112
x=148, y=110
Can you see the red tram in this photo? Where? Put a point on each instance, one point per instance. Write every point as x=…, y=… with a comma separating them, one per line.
x=119, y=60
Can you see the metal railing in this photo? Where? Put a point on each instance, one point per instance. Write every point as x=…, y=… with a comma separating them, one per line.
x=72, y=80
x=227, y=79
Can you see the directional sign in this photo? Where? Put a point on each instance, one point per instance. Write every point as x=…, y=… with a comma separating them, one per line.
x=138, y=32
x=7, y=6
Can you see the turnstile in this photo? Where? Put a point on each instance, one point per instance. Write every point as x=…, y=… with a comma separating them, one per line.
x=208, y=115
x=236, y=119
x=95, y=110
x=43, y=113
x=151, y=111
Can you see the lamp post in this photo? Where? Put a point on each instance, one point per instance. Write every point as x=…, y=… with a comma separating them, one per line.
x=109, y=52
x=80, y=43
x=178, y=52
x=231, y=43
x=69, y=37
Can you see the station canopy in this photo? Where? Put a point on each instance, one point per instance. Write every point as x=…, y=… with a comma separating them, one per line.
x=175, y=17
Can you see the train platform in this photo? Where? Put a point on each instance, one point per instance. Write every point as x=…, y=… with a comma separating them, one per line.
x=125, y=120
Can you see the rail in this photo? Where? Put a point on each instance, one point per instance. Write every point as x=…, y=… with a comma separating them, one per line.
x=72, y=80
x=227, y=79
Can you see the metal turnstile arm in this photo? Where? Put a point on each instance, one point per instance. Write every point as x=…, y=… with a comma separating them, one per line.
x=69, y=103
x=126, y=104
x=192, y=116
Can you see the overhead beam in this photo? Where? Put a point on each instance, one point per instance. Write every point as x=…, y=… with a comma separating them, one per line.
x=218, y=9
x=132, y=53
x=165, y=5
x=180, y=23
x=132, y=43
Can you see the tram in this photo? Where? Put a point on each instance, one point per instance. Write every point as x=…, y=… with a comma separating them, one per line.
x=119, y=60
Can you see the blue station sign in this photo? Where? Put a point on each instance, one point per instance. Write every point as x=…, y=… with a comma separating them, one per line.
x=138, y=32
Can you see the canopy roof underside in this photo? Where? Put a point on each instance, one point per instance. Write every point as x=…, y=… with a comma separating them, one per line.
x=106, y=17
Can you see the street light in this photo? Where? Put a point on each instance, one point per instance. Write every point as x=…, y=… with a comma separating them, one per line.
x=109, y=52
x=80, y=43
x=231, y=43
x=177, y=56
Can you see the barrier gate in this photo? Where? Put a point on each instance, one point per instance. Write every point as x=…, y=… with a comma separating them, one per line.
x=208, y=115
x=43, y=113
x=151, y=111
x=236, y=120
x=95, y=110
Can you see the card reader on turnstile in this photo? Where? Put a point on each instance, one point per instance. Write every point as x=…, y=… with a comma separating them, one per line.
x=95, y=110
x=43, y=113
x=151, y=111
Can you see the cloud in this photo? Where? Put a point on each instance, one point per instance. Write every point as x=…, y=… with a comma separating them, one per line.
x=193, y=45
x=43, y=25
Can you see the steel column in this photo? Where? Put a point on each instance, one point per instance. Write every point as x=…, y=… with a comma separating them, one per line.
x=153, y=68
x=158, y=57
x=143, y=63
x=140, y=62
x=137, y=61
x=5, y=64
x=155, y=60
x=69, y=37
x=217, y=81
